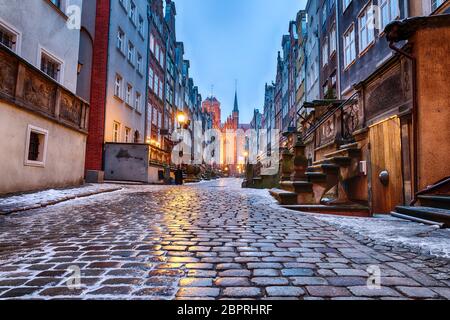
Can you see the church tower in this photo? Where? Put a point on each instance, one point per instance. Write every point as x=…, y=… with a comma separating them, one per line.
x=235, y=114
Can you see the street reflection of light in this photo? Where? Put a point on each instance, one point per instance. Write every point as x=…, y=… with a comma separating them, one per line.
x=181, y=201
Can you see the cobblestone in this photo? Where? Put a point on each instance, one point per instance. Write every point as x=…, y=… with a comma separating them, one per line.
x=207, y=241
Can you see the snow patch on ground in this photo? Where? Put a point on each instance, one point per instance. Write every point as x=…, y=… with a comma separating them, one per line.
x=34, y=200
x=394, y=232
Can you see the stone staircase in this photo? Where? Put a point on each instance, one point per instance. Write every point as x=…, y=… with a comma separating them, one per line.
x=433, y=205
x=304, y=189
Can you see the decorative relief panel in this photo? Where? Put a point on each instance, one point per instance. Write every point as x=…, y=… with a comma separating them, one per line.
x=8, y=74
x=70, y=108
x=39, y=92
x=36, y=92
x=328, y=131
x=390, y=92
x=351, y=121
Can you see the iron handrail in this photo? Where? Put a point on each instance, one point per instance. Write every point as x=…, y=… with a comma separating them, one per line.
x=431, y=188
x=327, y=115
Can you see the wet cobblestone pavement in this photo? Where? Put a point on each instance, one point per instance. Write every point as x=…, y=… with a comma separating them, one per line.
x=206, y=241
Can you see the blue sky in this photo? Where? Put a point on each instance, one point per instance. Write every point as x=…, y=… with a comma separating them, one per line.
x=234, y=39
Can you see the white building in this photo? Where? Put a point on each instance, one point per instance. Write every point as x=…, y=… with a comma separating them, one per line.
x=43, y=124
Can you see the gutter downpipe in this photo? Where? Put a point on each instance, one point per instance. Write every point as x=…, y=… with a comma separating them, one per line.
x=415, y=111
x=338, y=49
x=147, y=63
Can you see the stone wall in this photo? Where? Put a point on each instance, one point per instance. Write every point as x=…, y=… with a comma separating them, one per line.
x=64, y=164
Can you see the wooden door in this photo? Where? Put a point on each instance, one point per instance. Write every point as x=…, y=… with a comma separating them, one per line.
x=385, y=153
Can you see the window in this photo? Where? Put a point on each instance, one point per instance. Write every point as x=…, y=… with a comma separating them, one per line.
x=116, y=131
x=157, y=51
x=131, y=52
x=150, y=78
x=57, y=3
x=139, y=64
x=138, y=102
x=51, y=66
x=436, y=4
x=118, y=86
x=161, y=86
x=156, y=84
x=333, y=40
x=127, y=135
x=389, y=11
x=141, y=25
x=36, y=146
x=132, y=12
x=155, y=116
x=366, y=28
x=152, y=43
x=9, y=37
x=349, y=46
x=129, y=94
x=120, y=40
x=124, y=4
x=325, y=52
x=346, y=3
x=161, y=58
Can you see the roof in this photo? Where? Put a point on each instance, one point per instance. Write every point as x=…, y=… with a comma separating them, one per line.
x=404, y=29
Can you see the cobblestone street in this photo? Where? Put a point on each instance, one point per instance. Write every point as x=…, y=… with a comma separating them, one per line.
x=207, y=241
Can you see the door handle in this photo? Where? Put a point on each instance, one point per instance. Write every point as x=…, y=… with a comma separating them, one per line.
x=384, y=178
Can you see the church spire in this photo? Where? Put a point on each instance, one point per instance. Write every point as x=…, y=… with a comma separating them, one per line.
x=236, y=105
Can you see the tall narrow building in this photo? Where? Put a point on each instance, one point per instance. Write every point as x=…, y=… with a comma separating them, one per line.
x=118, y=91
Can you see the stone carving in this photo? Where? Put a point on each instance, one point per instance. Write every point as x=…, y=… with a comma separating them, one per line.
x=384, y=94
x=70, y=109
x=36, y=92
x=351, y=121
x=8, y=71
x=39, y=93
x=328, y=131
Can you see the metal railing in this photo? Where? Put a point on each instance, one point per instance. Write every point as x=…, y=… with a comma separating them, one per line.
x=327, y=115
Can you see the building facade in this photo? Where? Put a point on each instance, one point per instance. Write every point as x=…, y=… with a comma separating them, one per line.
x=119, y=88
x=212, y=106
x=361, y=97
x=43, y=121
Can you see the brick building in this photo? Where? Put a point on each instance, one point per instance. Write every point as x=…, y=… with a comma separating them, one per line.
x=118, y=91
x=212, y=106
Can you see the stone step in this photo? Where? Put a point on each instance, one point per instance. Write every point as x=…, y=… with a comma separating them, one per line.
x=316, y=177
x=353, y=145
x=324, y=168
x=426, y=213
x=435, y=201
x=284, y=197
x=340, y=161
x=347, y=152
x=297, y=186
x=353, y=210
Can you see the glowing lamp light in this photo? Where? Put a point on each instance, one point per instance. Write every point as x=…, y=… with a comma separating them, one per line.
x=181, y=118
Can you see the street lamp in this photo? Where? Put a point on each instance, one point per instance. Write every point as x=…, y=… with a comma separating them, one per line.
x=181, y=118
